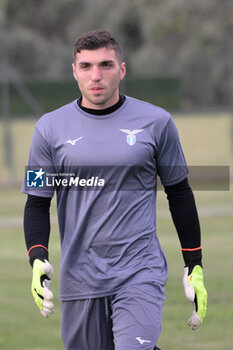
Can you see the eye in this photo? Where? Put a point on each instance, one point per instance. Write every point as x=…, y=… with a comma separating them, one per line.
x=84, y=66
x=107, y=64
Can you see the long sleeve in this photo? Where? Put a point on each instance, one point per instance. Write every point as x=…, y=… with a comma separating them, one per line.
x=185, y=217
x=37, y=227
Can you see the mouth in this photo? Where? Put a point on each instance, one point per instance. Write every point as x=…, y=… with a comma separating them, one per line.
x=96, y=89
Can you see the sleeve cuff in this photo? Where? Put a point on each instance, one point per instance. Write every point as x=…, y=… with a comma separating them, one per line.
x=192, y=257
x=38, y=252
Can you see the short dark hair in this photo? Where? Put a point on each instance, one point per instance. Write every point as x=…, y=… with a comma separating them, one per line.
x=97, y=39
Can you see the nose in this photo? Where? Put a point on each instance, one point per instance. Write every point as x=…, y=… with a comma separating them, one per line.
x=96, y=74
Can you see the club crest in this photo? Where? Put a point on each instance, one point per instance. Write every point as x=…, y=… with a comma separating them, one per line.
x=131, y=135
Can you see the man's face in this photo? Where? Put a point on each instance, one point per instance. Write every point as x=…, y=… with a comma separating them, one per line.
x=98, y=73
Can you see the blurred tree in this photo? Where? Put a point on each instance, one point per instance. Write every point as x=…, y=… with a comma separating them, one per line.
x=178, y=37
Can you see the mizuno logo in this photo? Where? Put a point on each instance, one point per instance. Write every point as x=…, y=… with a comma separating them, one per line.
x=73, y=142
x=131, y=138
x=142, y=341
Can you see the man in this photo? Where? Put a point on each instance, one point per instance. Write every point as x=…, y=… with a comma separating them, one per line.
x=113, y=269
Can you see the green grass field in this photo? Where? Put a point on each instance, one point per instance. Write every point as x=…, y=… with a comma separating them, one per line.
x=206, y=141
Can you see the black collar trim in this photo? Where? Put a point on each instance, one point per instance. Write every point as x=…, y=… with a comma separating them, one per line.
x=102, y=111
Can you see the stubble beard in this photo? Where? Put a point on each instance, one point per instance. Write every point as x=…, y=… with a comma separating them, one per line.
x=99, y=100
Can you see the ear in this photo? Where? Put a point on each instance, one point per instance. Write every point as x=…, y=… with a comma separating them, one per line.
x=74, y=71
x=123, y=70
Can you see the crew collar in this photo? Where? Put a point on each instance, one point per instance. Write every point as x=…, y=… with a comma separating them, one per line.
x=102, y=111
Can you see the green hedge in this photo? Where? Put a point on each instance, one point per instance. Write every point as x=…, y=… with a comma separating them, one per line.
x=164, y=92
x=50, y=95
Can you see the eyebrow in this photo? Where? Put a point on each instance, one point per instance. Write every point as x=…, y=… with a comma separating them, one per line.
x=100, y=63
x=107, y=61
